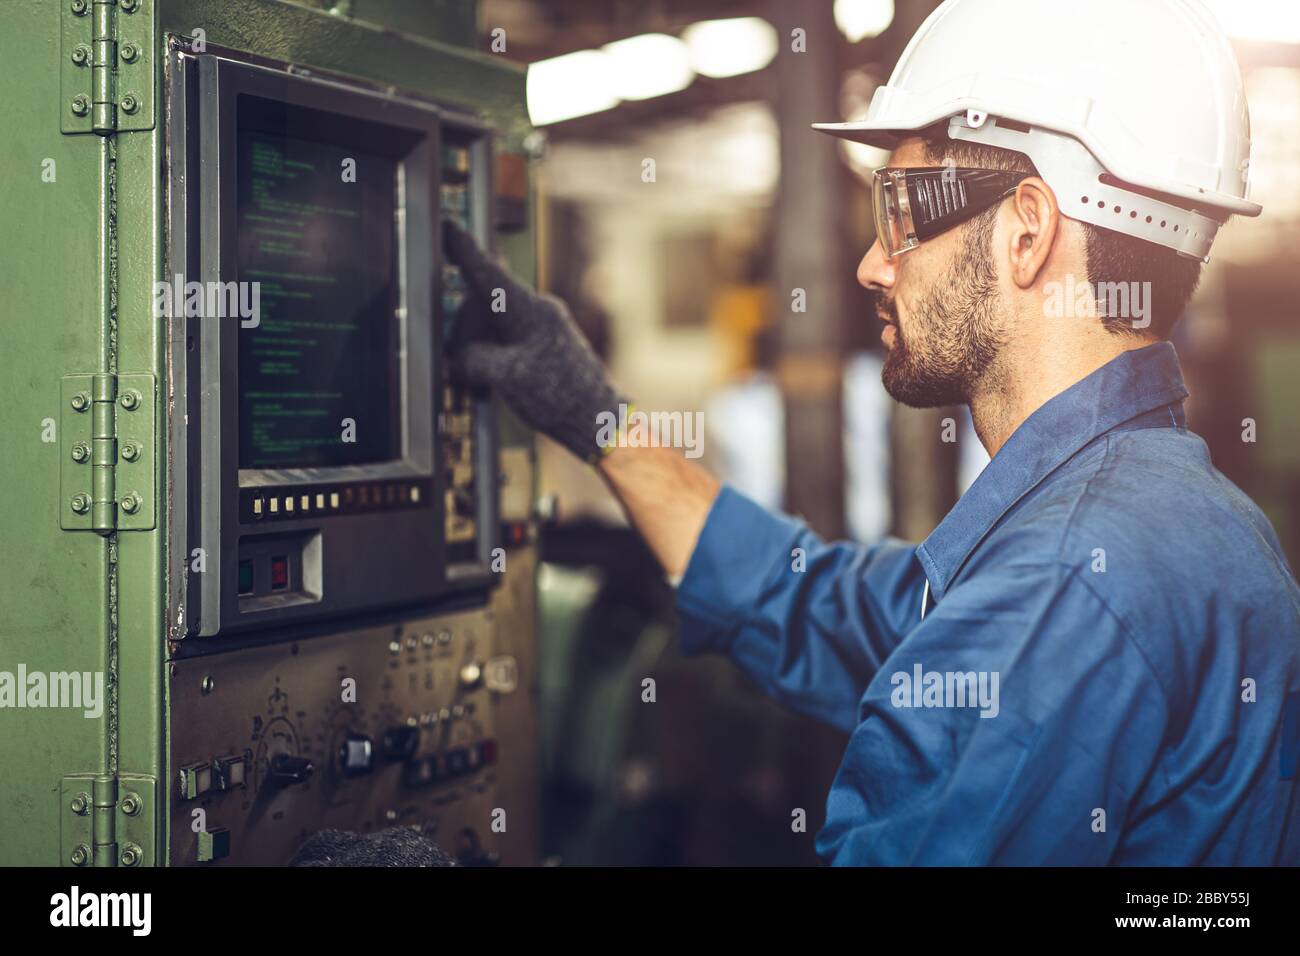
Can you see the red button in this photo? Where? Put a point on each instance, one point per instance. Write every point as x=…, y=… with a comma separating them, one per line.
x=279, y=573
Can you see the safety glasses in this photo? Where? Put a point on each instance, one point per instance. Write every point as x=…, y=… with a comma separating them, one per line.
x=918, y=202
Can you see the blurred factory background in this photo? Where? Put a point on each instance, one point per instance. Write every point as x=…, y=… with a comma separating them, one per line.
x=688, y=283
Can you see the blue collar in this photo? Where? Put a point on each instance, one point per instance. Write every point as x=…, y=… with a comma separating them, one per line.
x=1146, y=380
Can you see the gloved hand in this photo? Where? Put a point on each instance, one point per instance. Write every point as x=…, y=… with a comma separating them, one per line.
x=526, y=347
x=396, y=846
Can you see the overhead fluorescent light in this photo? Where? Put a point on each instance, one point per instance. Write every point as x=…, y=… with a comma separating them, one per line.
x=859, y=19
x=720, y=48
x=568, y=86
x=649, y=65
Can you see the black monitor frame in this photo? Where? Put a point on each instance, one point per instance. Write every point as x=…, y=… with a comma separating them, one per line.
x=386, y=554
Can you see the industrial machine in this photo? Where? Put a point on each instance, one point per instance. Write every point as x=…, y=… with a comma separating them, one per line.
x=245, y=493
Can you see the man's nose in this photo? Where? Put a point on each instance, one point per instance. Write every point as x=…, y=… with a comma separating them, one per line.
x=875, y=271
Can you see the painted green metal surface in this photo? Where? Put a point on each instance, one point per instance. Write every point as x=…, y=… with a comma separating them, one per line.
x=53, y=583
x=81, y=251
x=449, y=21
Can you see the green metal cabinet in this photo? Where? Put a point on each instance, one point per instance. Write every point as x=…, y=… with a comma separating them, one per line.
x=83, y=203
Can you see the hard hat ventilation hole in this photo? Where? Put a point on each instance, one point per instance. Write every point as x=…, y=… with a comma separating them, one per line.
x=1162, y=224
x=1084, y=200
x=1148, y=218
x=1175, y=228
x=1101, y=204
x=1133, y=214
x=1117, y=208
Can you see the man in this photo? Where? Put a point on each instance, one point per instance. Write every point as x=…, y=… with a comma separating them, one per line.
x=1094, y=657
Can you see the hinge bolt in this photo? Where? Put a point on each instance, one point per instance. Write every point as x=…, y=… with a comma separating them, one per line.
x=80, y=105
x=131, y=503
x=81, y=503
x=131, y=855
x=80, y=854
x=128, y=6
x=129, y=52
x=81, y=54
x=129, y=103
x=131, y=804
x=80, y=451
x=79, y=7
x=81, y=804
x=130, y=451
x=130, y=398
x=80, y=401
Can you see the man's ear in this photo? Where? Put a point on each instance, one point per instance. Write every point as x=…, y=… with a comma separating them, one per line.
x=1035, y=222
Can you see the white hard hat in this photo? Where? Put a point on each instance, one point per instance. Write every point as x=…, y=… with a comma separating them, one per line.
x=1133, y=111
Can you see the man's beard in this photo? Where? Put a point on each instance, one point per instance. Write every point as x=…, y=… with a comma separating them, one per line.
x=955, y=334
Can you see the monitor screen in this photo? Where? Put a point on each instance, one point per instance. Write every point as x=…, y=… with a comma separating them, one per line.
x=319, y=373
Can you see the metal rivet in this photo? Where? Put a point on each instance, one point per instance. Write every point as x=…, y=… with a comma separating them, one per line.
x=130, y=399
x=129, y=6
x=81, y=54
x=80, y=402
x=80, y=105
x=81, y=804
x=129, y=103
x=79, y=7
x=131, y=804
x=131, y=855
x=131, y=503
x=81, y=504
x=80, y=855
x=80, y=451
x=130, y=451
x=129, y=52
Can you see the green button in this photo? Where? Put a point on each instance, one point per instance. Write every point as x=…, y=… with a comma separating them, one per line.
x=213, y=844
x=246, y=577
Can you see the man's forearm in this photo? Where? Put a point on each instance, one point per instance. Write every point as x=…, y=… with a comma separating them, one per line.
x=666, y=497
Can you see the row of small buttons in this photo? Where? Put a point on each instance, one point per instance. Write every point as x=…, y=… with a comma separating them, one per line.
x=443, y=767
x=258, y=504
x=275, y=505
x=223, y=773
x=425, y=640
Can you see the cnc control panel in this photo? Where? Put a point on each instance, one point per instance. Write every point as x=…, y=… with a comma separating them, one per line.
x=360, y=730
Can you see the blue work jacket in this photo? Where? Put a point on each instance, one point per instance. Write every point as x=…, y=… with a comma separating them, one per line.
x=1093, y=659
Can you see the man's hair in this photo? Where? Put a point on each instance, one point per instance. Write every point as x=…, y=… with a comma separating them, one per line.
x=1112, y=257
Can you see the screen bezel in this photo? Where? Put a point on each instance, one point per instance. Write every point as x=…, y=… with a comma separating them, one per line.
x=397, y=555
x=406, y=132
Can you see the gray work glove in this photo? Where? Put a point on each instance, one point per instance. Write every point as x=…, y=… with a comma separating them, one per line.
x=526, y=347
x=396, y=846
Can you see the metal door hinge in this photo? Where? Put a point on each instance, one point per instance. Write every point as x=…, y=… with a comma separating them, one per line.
x=106, y=78
x=107, y=820
x=107, y=453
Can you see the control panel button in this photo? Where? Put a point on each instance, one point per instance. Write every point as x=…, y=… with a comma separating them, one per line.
x=231, y=772
x=246, y=576
x=471, y=675
x=401, y=743
x=356, y=755
x=420, y=773
x=195, y=780
x=501, y=674
x=285, y=770
x=214, y=844
x=279, y=572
